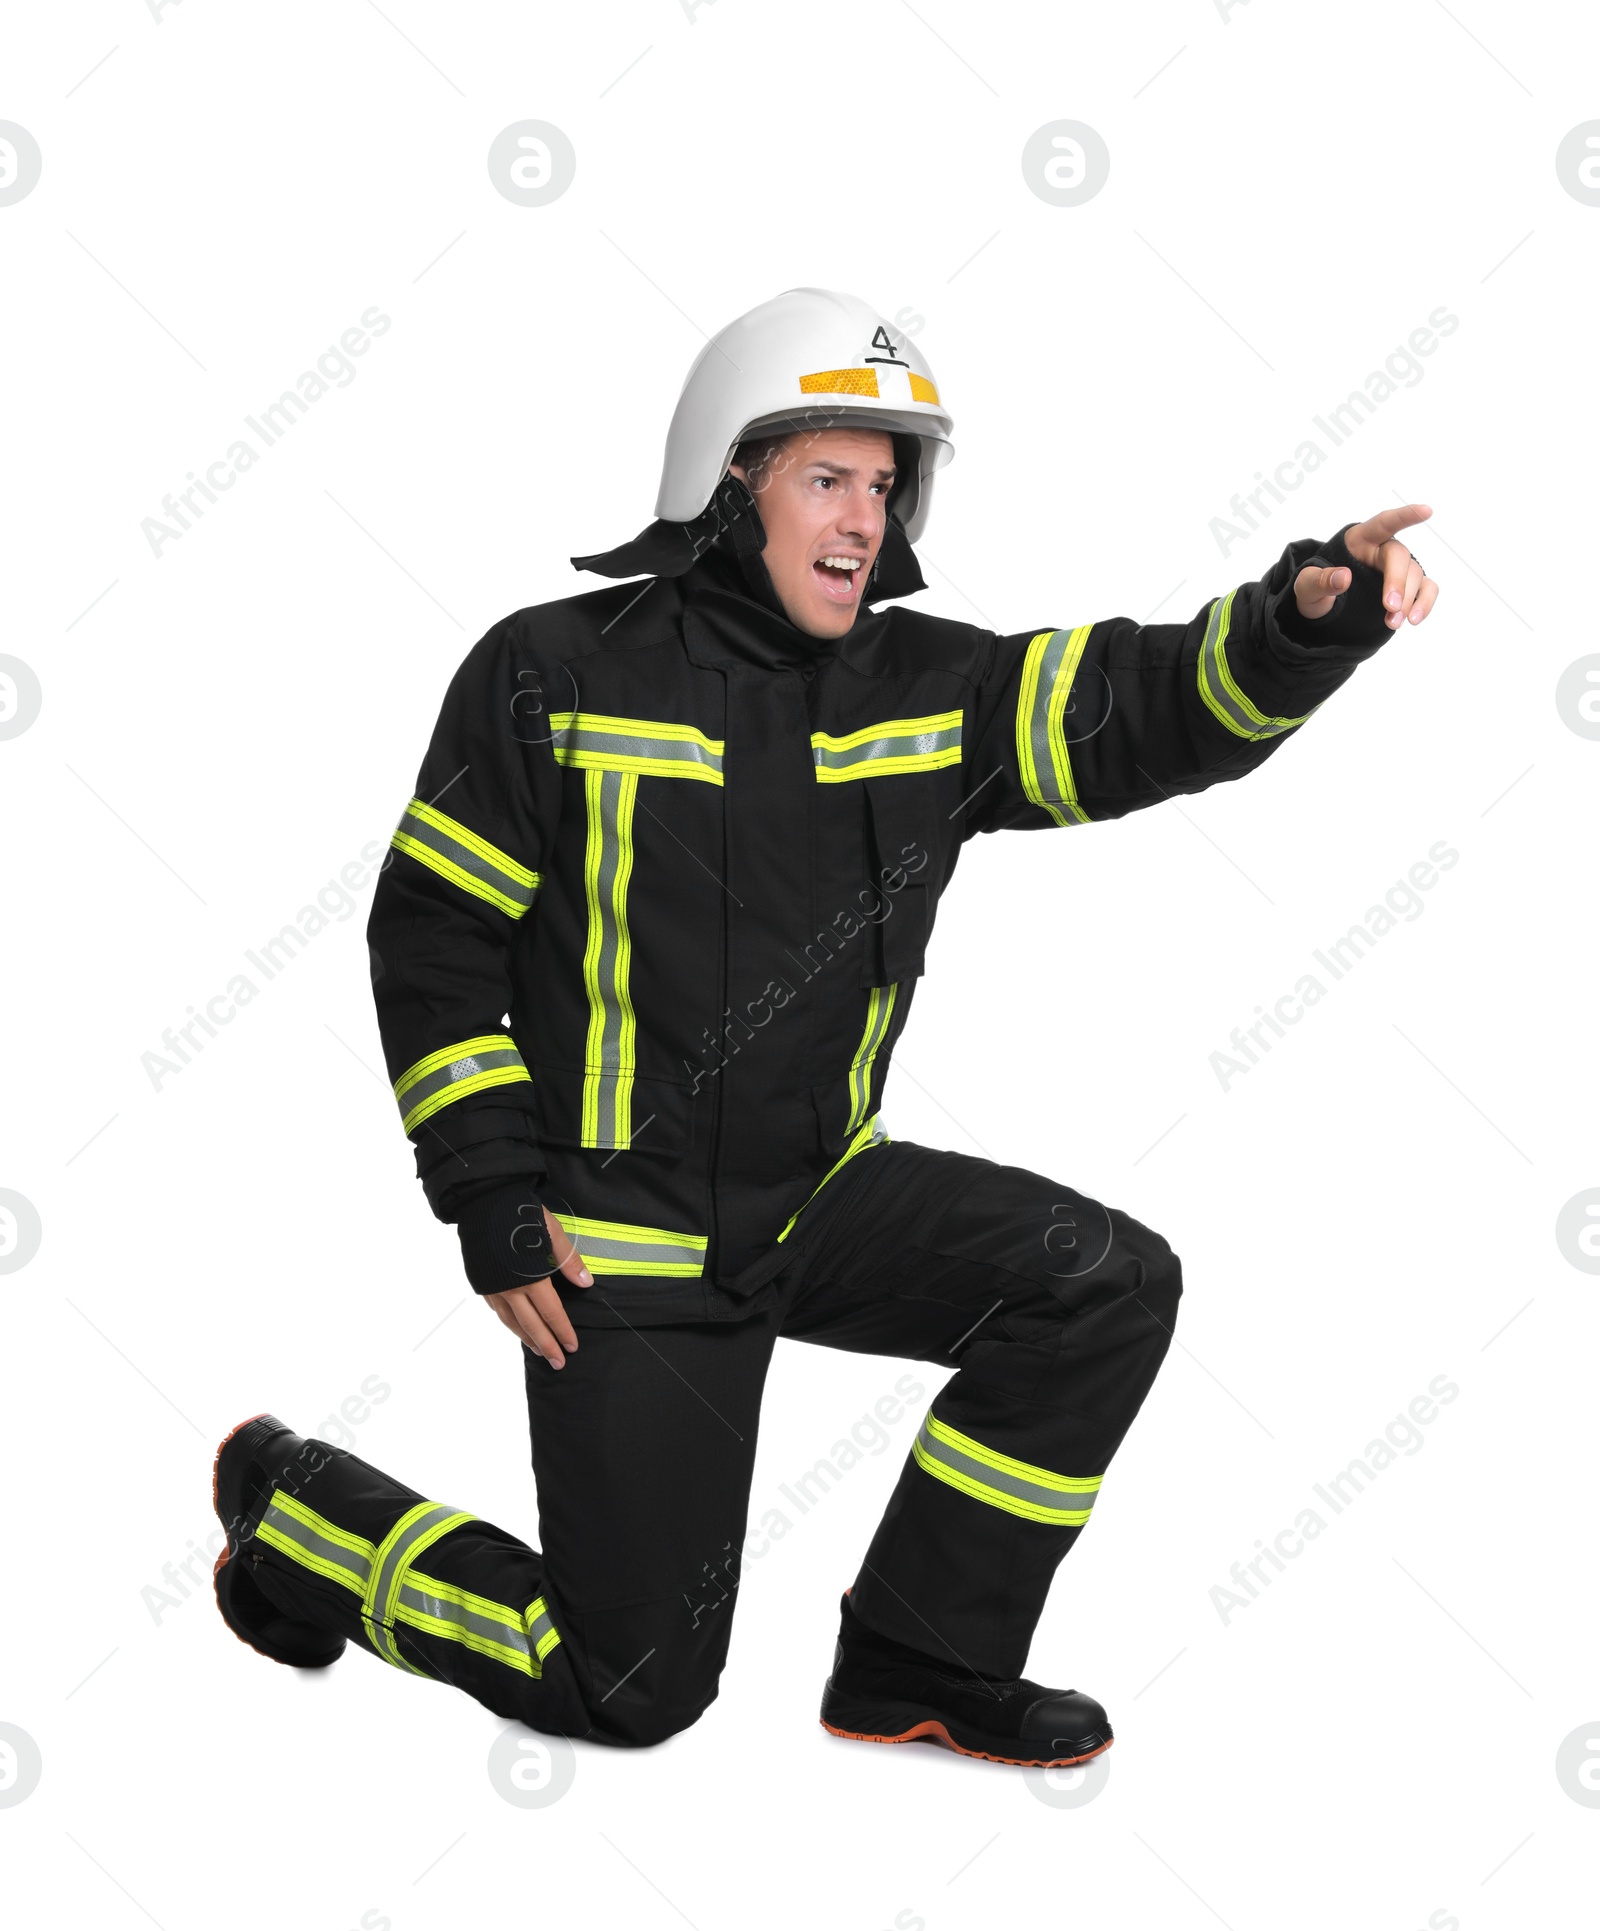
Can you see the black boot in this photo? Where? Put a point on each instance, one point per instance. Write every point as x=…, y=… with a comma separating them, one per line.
x=250, y=1459
x=882, y=1691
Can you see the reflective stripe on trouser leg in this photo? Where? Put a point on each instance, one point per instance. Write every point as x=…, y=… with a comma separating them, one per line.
x=433, y=1590
x=962, y=1561
x=392, y=1591
x=520, y=1641
x=418, y=1529
x=1000, y=1481
x=1004, y=1473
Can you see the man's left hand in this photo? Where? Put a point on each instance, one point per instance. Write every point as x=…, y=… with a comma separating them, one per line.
x=1407, y=593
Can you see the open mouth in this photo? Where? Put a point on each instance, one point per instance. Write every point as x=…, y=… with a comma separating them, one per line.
x=839, y=577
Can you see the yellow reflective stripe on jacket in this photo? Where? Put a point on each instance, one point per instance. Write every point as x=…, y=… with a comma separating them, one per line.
x=884, y=750
x=448, y=847
x=609, y=1053
x=880, y=1009
x=455, y=1071
x=593, y=741
x=1036, y=1494
x=1224, y=699
x=871, y=1134
x=616, y=1247
x=1043, y=760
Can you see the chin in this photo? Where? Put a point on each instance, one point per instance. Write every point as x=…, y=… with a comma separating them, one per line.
x=831, y=623
x=824, y=620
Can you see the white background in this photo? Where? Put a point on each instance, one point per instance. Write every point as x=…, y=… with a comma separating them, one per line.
x=1373, y=1739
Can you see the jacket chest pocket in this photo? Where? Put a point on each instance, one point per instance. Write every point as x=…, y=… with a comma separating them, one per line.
x=902, y=843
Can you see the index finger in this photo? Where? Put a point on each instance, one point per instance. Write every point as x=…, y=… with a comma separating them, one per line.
x=1388, y=523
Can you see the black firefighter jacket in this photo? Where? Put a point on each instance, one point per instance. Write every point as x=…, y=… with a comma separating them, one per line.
x=655, y=918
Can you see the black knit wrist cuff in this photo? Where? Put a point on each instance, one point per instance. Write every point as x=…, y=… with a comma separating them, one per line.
x=1357, y=616
x=504, y=1240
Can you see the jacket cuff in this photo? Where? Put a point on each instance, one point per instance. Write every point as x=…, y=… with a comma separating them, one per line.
x=465, y=1147
x=504, y=1240
x=1357, y=617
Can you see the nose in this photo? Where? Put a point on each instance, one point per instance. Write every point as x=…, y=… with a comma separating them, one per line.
x=861, y=518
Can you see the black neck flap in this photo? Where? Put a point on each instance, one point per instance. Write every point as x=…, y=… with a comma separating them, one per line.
x=731, y=523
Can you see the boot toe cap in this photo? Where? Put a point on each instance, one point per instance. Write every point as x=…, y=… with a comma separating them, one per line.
x=1066, y=1718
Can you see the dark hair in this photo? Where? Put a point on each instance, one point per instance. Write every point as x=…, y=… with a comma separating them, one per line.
x=756, y=454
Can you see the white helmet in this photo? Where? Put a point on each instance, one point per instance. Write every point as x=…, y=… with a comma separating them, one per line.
x=808, y=359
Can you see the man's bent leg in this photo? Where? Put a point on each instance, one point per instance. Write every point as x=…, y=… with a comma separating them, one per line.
x=1056, y=1312
x=430, y=1588
x=643, y=1446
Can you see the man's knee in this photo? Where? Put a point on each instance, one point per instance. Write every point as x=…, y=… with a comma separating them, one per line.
x=662, y=1678
x=652, y=1712
x=1118, y=1325
x=1160, y=1284
x=644, y=1724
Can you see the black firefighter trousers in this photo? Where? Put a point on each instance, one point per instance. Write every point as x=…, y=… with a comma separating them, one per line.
x=1055, y=1313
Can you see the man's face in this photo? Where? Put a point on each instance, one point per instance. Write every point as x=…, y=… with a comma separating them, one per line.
x=823, y=498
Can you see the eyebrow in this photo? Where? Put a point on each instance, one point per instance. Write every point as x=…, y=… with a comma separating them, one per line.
x=845, y=469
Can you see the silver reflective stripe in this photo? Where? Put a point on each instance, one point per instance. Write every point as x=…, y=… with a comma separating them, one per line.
x=317, y=1544
x=615, y=1247
x=490, y=1628
x=1043, y=760
x=392, y=1591
x=607, y=960
x=542, y=1633
x=454, y=1072
x=1221, y=694
x=1019, y=1488
x=883, y=750
x=418, y=1529
x=591, y=741
x=447, y=847
x=880, y=1009
x=424, y=1597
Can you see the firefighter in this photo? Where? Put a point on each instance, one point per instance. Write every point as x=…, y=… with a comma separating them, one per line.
x=651, y=928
